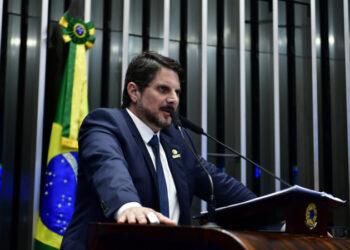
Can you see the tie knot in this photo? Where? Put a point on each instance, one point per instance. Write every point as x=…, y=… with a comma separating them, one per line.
x=154, y=141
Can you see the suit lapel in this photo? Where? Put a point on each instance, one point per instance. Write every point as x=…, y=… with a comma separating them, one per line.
x=175, y=162
x=141, y=146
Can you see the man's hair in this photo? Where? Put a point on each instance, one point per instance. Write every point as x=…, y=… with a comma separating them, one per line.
x=143, y=69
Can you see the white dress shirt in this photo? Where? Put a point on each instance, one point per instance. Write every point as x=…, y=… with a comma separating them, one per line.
x=147, y=134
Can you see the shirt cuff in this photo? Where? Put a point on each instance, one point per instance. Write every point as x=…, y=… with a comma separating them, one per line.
x=124, y=207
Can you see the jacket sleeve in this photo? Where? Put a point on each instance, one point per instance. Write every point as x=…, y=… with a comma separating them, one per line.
x=102, y=162
x=227, y=189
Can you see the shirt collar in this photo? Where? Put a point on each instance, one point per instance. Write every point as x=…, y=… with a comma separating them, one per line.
x=145, y=131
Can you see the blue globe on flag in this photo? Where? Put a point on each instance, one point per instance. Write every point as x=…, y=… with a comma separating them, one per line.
x=57, y=205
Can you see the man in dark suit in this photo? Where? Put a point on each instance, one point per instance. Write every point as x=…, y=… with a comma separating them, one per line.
x=125, y=175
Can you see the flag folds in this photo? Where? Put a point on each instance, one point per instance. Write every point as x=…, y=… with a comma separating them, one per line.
x=58, y=197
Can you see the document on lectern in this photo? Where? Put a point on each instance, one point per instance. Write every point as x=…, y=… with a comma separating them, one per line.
x=285, y=192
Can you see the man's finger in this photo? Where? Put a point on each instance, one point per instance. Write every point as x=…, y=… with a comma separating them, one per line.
x=141, y=219
x=165, y=220
x=121, y=219
x=131, y=219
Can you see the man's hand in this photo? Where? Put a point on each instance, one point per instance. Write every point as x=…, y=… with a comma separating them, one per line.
x=143, y=215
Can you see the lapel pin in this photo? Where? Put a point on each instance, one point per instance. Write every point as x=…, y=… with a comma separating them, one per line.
x=175, y=154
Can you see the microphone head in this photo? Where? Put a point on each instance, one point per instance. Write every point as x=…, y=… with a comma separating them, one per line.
x=175, y=119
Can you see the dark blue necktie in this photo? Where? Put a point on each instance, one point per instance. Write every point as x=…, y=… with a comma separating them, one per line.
x=162, y=190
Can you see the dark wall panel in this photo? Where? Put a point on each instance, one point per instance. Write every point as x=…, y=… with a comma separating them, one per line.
x=8, y=209
x=28, y=140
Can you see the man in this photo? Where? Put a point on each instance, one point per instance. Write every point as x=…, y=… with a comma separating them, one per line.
x=122, y=177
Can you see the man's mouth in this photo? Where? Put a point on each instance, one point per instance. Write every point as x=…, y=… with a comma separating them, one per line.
x=167, y=110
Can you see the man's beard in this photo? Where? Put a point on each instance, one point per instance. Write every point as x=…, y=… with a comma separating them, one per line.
x=152, y=118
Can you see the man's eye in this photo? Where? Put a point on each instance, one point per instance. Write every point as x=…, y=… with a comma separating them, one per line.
x=162, y=89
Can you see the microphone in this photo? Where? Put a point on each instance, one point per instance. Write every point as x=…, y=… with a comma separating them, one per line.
x=175, y=119
x=195, y=128
x=211, y=204
x=191, y=126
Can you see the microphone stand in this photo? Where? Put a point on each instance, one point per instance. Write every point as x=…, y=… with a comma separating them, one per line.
x=211, y=204
x=188, y=124
x=248, y=160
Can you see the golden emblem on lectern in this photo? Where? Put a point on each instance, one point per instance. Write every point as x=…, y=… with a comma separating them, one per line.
x=311, y=216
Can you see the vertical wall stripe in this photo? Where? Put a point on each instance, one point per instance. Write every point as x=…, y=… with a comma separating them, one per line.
x=314, y=94
x=126, y=21
x=347, y=79
x=40, y=111
x=87, y=18
x=204, y=97
x=166, y=26
x=204, y=94
x=242, y=89
x=87, y=10
x=276, y=100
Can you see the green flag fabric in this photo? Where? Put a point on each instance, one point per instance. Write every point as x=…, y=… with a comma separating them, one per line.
x=58, y=197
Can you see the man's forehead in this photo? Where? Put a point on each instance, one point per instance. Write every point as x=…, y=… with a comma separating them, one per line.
x=167, y=84
x=166, y=78
x=165, y=70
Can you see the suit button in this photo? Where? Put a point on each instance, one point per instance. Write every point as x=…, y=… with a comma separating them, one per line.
x=104, y=207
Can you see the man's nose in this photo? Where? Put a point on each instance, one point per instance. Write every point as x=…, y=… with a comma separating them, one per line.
x=173, y=97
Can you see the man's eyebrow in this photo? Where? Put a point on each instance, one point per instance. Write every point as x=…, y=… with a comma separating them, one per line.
x=162, y=85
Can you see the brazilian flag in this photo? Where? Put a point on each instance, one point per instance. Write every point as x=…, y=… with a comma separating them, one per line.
x=58, y=197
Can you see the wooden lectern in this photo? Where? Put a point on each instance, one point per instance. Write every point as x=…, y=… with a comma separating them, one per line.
x=242, y=226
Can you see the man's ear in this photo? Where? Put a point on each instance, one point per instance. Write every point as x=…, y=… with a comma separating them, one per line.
x=133, y=91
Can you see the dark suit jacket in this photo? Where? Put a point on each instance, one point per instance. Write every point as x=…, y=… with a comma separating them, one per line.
x=115, y=168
